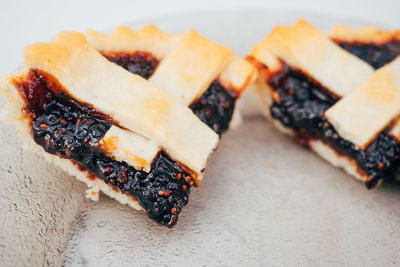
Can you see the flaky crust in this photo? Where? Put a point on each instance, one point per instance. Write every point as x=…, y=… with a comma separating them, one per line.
x=148, y=38
x=365, y=34
x=134, y=102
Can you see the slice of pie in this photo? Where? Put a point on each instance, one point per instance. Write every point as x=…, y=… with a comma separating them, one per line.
x=136, y=140
x=338, y=94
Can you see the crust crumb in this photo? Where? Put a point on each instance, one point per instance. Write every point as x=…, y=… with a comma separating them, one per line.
x=92, y=194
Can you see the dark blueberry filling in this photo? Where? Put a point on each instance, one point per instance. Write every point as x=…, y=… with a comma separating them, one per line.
x=73, y=133
x=302, y=105
x=215, y=107
x=140, y=63
x=376, y=55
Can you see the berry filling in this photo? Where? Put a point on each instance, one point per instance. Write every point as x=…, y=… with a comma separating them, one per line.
x=376, y=55
x=140, y=63
x=215, y=107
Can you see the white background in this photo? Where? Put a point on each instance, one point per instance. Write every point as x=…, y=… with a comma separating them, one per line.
x=24, y=22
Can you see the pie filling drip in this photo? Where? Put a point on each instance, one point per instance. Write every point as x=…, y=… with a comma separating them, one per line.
x=73, y=130
x=215, y=107
x=301, y=107
x=376, y=55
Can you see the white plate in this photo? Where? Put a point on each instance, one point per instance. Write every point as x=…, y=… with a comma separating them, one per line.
x=264, y=201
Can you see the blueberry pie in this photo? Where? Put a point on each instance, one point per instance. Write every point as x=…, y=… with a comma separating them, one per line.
x=143, y=142
x=337, y=93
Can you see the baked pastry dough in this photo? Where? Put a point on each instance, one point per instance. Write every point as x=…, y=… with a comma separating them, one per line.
x=324, y=90
x=116, y=131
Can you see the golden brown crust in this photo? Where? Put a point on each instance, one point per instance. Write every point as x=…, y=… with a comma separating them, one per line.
x=148, y=38
x=365, y=34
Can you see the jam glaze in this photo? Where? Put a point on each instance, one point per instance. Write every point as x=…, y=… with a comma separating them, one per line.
x=215, y=107
x=301, y=107
x=73, y=130
x=377, y=55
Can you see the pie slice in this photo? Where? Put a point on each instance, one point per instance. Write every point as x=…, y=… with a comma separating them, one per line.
x=325, y=91
x=117, y=131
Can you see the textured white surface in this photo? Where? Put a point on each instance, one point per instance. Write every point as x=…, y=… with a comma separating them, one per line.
x=39, y=206
x=265, y=200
